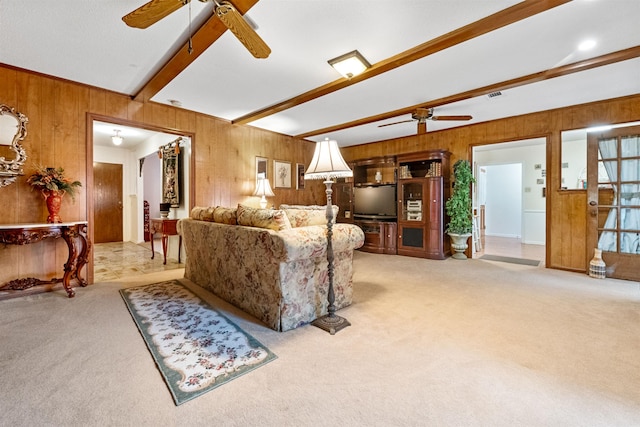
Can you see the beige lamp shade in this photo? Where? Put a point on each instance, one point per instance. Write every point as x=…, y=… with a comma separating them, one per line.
x=327, y=162
x=263, y=188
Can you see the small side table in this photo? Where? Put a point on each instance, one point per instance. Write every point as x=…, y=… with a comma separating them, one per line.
x=168, y=227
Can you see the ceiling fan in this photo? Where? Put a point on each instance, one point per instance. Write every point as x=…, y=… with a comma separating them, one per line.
x=421, y=115
x=153, y=11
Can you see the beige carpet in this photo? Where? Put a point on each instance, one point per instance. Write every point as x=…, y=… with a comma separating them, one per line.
x=432, y=343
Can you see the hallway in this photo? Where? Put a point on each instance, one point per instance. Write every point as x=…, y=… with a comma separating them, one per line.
x=511, y=247
x=118, y=260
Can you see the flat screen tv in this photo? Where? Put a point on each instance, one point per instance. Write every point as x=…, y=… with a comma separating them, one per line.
x=376, y=202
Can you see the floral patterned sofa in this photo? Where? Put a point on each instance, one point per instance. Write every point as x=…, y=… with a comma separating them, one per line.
x=270, y=263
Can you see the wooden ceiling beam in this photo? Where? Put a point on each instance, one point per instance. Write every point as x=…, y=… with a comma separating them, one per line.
x=204, y=37
x=587, y=64
x=518, y=12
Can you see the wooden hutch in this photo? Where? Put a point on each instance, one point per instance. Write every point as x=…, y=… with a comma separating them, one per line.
x=421, y=182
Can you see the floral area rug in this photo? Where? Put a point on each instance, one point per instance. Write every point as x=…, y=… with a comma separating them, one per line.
x=196, y=348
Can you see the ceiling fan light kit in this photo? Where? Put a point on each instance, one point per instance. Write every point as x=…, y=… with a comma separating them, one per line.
x=350, y=64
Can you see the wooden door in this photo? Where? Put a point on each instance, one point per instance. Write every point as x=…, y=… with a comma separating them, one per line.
x=613, y=196
x=107, y=202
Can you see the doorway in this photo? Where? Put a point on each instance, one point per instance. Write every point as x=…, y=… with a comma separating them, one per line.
x=503, y=200
x=139, y=142
x=510, y=200
x=613, y=189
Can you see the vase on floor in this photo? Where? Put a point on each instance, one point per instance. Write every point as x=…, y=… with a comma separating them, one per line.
x=597, y=266
x=54, y=203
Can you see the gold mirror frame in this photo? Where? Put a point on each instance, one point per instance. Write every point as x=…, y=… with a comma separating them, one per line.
x=11, y=169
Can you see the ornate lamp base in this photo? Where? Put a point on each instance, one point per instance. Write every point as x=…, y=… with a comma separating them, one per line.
x=331, y=323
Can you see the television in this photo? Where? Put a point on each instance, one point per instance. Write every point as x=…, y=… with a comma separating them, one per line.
x=375, y=202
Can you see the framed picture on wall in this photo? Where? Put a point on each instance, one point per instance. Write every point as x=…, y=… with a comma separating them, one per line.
x=282, y=174
x=261, y=167
x=300, y=176
x=171, y=176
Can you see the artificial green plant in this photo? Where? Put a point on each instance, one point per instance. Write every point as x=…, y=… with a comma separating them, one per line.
x=458, y=207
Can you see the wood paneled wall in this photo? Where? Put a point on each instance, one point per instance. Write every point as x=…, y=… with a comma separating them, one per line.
x=566, y=210
x=59, y=113
x=224, y=159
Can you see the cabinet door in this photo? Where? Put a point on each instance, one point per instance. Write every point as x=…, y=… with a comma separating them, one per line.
x=390, y=232
x=411, y=202
x=412, y=218
x=342, y=197
x=411, y=239
x=435, y=230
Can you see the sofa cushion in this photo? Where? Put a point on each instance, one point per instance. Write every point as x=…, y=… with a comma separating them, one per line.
x=217, y=214
x=224, y=215
x=304, y=216
x=202, y=213
x=272, y=219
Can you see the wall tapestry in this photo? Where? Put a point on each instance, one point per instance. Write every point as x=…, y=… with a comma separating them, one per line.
x=171, y=173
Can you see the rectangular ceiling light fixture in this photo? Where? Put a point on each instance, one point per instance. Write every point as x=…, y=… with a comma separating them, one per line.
x=350, y=64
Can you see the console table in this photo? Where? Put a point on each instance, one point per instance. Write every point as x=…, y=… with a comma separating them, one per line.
x=78, y=244
x=168, y=227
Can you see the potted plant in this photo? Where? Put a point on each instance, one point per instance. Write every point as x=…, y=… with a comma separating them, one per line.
x=53, y=185
x=458, y=208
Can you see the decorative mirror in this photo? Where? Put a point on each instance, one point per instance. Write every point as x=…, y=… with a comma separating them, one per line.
x=13, y=129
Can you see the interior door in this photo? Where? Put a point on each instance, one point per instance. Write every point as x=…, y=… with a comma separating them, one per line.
x=107, y=202
x=613, y=195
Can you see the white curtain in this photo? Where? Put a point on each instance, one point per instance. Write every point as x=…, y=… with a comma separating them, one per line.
x=629, y=194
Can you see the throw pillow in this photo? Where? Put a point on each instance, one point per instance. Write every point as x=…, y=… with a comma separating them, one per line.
x=202, y=213
x=224, y=215
x=263, y=218
x=303, y=216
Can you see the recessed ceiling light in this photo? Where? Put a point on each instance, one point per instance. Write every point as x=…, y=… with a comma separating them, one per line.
x=175, y=102
x=587, y=45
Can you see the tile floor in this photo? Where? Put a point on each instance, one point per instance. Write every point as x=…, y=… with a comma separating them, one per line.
x=116, y=260
x=504, y=246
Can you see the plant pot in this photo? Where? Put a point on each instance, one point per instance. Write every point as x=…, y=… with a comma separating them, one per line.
x=459, y=245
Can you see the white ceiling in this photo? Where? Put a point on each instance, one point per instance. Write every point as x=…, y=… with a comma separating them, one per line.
x=131, y=136
x=87, y=42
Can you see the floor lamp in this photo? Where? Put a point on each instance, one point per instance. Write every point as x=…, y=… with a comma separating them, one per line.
x=327, y=164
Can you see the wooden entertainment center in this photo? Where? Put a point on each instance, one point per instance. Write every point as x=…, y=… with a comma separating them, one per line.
x=421, y=183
